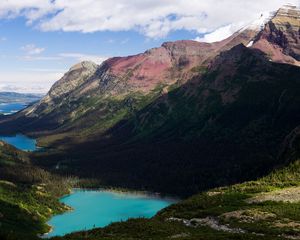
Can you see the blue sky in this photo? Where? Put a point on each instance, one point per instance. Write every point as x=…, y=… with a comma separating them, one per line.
x=60, y=50
x=41, y=39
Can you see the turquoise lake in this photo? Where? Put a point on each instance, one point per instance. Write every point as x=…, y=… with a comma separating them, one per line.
x=90, y=208
x=100, y=208
x=21, y=142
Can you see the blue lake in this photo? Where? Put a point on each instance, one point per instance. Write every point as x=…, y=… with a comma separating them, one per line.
x=100, y=208
x=10, y=108
x=21, y=142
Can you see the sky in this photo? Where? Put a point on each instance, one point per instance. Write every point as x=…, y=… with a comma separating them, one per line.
x=42, y=39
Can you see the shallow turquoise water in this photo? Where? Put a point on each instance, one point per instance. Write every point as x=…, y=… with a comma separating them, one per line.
x=21, y=142
x=100, y=208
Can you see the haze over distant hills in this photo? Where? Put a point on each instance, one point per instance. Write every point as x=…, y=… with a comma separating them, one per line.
x=13, y=97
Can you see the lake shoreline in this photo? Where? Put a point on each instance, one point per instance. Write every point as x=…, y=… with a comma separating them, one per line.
x=113, y=206
x=130, y=191
x=21, y=142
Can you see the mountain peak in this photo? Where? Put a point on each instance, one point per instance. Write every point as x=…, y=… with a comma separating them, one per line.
x=182, y=43
x=260, y=23
x=279, y=36
x=84, y=64
x=287, y=14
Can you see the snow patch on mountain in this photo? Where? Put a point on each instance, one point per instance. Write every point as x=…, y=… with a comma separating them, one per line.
x=259, y=23
x=220, y=33
x=250, y=44
x=228, y=30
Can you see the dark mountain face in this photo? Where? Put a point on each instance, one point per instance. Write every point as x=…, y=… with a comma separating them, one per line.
x=180, y=118
x=231, y=75
x=225, y=126
x=122, y=85
x=90, y=99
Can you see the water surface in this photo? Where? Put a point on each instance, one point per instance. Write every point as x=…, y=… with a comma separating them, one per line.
x=21, y=142
x=100, y=208
x=10, y=108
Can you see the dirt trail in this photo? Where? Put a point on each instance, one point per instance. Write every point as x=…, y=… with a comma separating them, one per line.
x=291, y=195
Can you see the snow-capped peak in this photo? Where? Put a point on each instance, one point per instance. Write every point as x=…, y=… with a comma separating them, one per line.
x=260, y=23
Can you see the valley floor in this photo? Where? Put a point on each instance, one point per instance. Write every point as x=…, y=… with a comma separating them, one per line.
x=268, y=208
x=28, y=195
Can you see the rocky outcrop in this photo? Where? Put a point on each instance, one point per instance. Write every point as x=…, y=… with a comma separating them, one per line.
x=62, y=89
x=167, y=64
x=281, y=35
x=73, y=79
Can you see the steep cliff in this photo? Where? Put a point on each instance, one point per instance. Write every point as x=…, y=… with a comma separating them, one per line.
x=281, y=35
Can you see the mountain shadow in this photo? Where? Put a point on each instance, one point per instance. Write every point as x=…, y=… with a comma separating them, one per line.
x=231, y=124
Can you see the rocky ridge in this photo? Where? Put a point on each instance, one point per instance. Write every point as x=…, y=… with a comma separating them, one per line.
x=86, y=83
x=281, y=35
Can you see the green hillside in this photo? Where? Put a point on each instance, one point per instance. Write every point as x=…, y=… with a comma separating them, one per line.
x=264, y=209
x=28, y=195
x=226, y=126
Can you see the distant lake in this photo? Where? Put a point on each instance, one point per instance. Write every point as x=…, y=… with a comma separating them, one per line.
x=100, y=208
x=10, y=108
x=21, y=142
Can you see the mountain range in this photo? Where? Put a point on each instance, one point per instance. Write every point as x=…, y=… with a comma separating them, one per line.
x=13, y=97
x=184, y=118
x=212, y=113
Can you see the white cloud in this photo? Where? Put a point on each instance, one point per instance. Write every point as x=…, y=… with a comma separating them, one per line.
x=75, y=57
x=124, y=41
x=226, y=31
x=40, y=80
x=39, y=58
x=111, y=41
x=153, y=18
x=84, y=57
x=32, y=9
x=31, y=49
x=44, y=70
x=220, y=33
x=29, y=81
